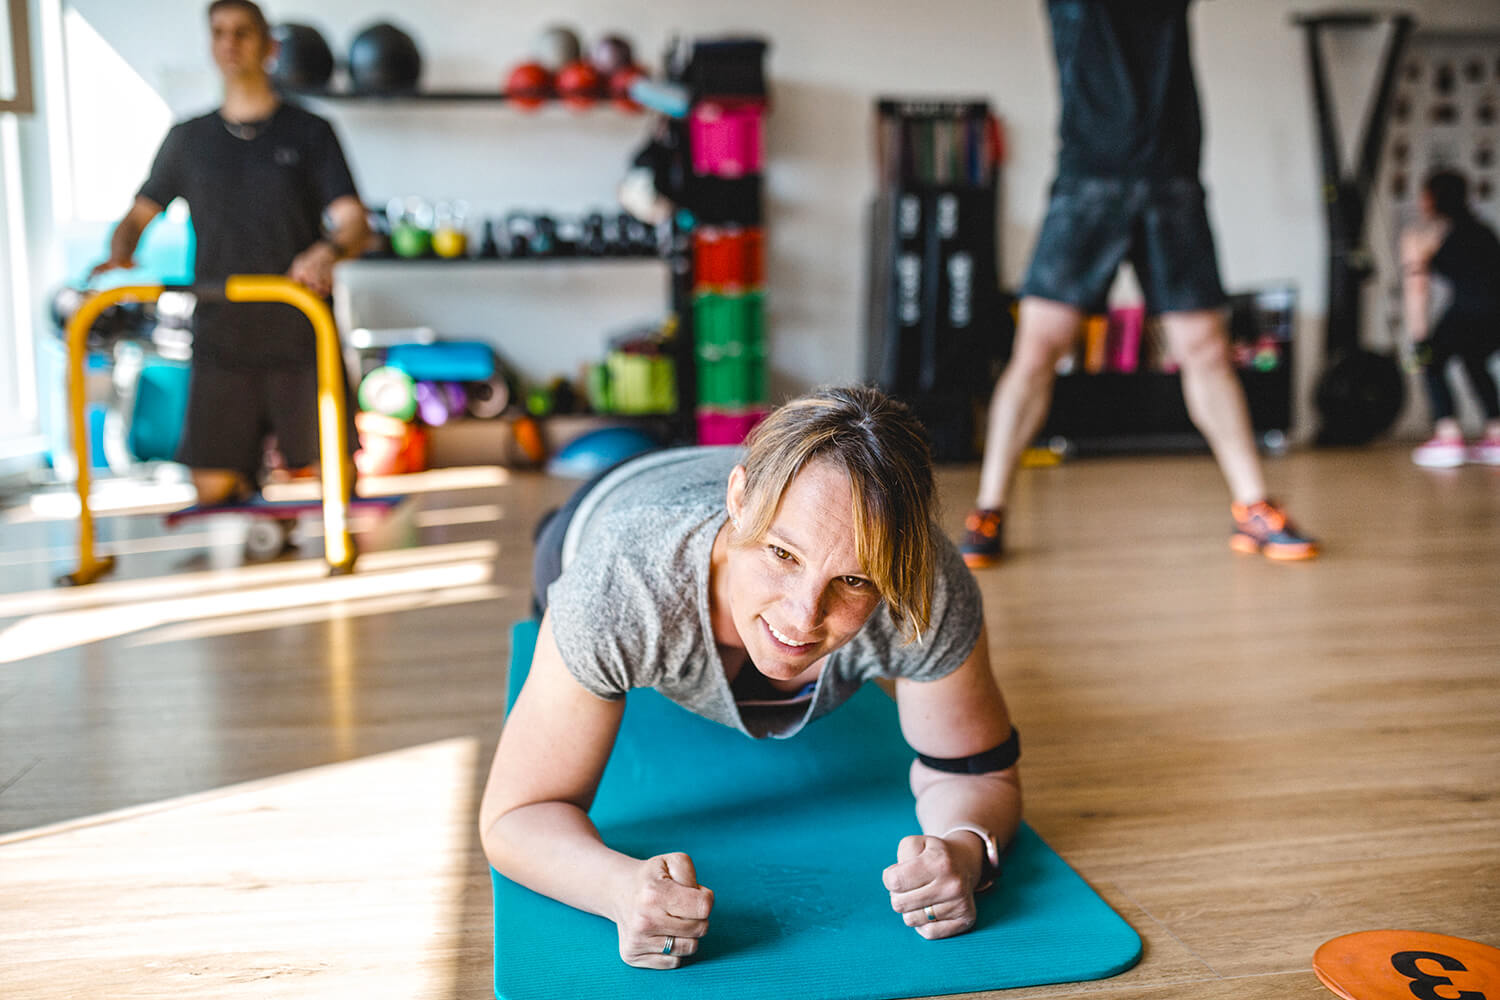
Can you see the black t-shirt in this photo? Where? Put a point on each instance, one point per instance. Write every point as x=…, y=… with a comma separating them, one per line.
x=1129, y=102
x=1470, y=260
x=256, y=203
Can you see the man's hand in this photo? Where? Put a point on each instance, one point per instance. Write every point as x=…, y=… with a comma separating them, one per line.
x=111, y=265
x=932, y=886
x=664, y=904
x=313, y=268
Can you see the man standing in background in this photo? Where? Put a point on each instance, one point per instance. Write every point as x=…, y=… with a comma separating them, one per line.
x=260, y=177
x=1126, y=187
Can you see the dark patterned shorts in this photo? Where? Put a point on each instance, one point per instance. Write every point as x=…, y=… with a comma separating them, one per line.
x=1160, y=225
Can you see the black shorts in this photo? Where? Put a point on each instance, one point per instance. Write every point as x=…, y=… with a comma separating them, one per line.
x=1160, y=225
x=230, y=412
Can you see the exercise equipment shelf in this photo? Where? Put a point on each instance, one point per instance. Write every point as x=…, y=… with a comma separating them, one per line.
x=452, y=97
x=678, y=258
x=579, y=260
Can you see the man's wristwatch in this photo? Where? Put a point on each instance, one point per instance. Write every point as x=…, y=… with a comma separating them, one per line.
x=989, y=868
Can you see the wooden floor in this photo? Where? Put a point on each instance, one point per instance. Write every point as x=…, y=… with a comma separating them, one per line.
x=225, y=781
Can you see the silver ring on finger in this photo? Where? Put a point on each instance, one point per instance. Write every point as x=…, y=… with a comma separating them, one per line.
x=671, y=941
x=931, y=916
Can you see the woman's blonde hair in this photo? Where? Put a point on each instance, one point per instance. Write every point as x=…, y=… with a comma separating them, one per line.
x=882, y=448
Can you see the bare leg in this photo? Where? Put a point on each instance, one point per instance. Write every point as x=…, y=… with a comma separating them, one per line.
x=1448, y=429
x=1199, y=340
x=219, y=486
x=1045, y=333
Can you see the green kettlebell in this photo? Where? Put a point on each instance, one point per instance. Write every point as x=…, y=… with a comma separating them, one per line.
x=410, y=240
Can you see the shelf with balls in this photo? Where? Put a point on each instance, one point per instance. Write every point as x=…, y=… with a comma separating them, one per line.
x=385, y=64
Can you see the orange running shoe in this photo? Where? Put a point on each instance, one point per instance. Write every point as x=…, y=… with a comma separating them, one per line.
x=984, y=537
x=1263, y=527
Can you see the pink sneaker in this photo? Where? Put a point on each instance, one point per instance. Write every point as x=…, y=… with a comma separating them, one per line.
x=1485, y=451
x=1441, y=453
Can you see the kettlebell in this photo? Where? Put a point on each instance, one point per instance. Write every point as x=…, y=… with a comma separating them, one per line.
x=410, y=240
x=448, y=242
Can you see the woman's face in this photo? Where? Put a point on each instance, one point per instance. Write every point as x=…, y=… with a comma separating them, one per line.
x=799, y=593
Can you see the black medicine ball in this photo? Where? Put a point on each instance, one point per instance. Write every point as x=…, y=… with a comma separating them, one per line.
x=1359, y=397
x=383, y=59
x=303, y=60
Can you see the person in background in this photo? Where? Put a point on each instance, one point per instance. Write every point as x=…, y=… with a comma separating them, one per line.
x=270, y=193
x=759, y=588
x=1450, y=243
x=1126, y=187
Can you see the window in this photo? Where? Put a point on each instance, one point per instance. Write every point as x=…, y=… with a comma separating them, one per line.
x=18, y=413
x=15, y=60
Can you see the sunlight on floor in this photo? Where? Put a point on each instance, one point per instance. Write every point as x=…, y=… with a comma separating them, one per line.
x=309, y=527
x=235, y=578
x=119, y=498
x=283, y=617
x=138, y=606
x=348, y=878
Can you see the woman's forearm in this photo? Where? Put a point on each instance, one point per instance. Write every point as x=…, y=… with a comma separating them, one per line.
x=1415, y=287
x=947, y=801
x=1417, y=247
x=554, y=849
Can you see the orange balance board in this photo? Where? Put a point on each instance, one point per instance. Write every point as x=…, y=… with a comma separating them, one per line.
x=1400, y=965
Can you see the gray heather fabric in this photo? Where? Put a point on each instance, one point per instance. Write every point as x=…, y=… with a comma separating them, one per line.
x=631, y=607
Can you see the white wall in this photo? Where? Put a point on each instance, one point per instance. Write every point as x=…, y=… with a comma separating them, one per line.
x=827, y=62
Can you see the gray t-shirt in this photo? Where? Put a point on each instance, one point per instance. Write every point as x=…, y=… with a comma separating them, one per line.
x=631, y=607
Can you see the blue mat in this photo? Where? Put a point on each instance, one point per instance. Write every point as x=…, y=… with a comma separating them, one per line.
x=792, y=837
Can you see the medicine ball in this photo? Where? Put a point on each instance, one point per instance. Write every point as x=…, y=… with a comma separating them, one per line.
x=611, y=53
x=303, y=60
x=528, y=85
x=1359, y=397
x=384, y=59
x=556, y=46
x=620, y=83
x=578, y=84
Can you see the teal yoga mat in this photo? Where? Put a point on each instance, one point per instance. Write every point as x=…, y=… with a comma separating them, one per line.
x=792, y=837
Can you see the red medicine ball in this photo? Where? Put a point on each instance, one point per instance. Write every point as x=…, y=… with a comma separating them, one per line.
x=619, y=86
x=528, y=85
x=578, y=84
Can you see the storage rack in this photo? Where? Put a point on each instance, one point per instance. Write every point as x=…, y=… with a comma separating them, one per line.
x=724, y=226
x=934, y=321
x=676, y=255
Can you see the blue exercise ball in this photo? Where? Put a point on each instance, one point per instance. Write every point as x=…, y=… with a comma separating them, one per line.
x=591, y=453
